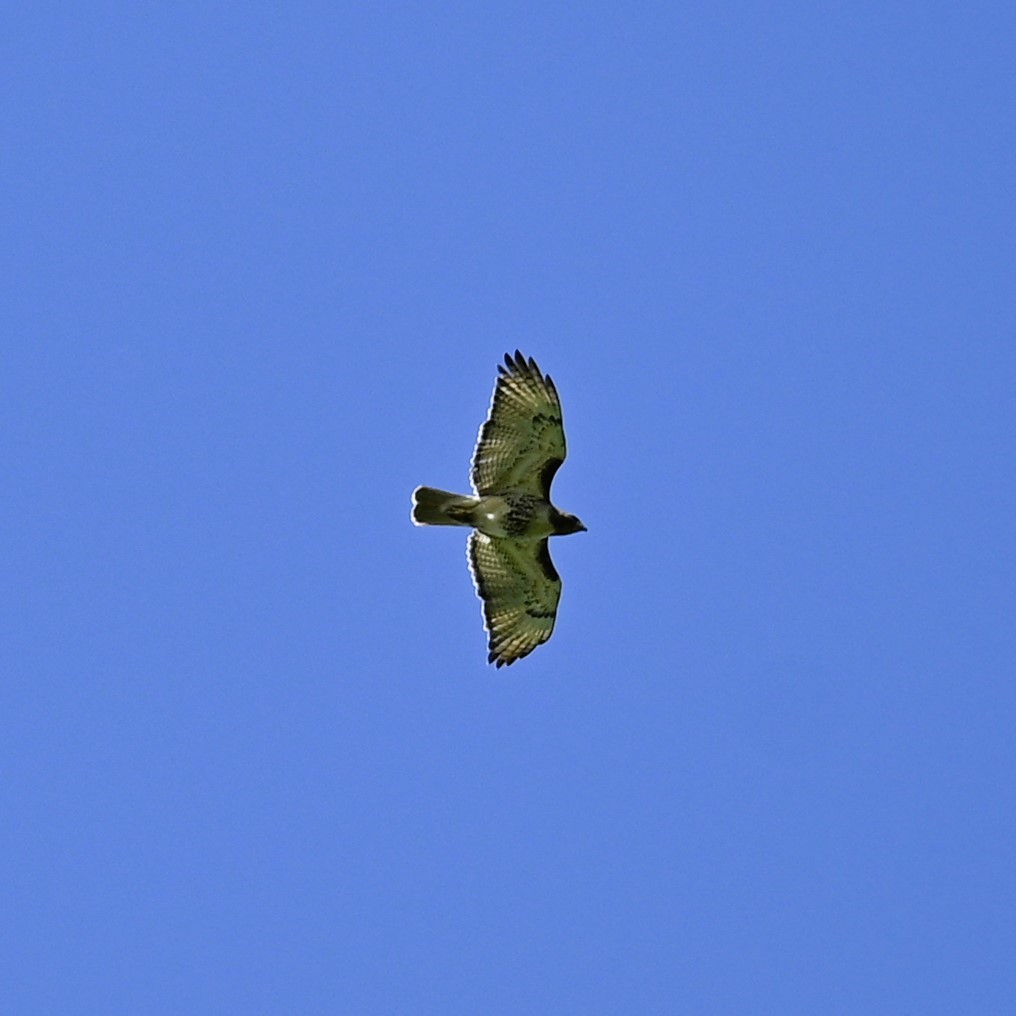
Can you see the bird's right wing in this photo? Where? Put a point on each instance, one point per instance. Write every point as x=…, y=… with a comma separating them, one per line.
x=521, y=444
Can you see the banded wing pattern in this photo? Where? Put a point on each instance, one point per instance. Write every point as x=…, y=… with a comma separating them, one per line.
x=520, y=589
x=521, y=445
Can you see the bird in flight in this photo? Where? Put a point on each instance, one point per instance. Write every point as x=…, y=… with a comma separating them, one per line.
x=519, y=449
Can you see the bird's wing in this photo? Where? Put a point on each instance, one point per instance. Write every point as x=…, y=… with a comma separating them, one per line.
x=520, y=589
x=521, y=444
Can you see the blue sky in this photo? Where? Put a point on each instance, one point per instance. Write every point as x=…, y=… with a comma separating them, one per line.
x=260, y=262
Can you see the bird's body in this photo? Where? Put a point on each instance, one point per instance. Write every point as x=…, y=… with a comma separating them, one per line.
x=513, y=514
x=520, y=448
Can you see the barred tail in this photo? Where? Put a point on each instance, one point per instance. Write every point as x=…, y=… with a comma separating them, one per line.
x=432, y=507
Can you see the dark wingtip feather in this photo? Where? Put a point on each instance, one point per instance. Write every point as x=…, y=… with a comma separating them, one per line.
x=519, y=364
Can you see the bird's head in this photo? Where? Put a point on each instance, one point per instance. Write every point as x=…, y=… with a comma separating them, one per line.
x=564, y=524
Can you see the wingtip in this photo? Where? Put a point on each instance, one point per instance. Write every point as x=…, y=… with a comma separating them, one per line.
x=519, y=363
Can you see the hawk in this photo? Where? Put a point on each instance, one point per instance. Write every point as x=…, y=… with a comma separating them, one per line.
x=519, y=449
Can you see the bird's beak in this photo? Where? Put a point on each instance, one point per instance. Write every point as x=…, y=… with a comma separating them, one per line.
x=582, y=528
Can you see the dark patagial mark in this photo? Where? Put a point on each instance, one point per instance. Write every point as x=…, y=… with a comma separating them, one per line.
x=544, y=561
x=547, y=476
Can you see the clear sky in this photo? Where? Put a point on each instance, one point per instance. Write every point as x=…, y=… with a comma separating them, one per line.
x=259, y=264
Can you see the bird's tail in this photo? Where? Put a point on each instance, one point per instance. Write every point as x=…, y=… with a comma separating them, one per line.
x=432, y=507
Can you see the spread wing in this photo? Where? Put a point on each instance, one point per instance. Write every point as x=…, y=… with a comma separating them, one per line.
x=521, y=444
x=520, y=590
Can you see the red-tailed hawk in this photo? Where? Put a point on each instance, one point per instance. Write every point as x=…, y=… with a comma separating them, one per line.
x=520, y=447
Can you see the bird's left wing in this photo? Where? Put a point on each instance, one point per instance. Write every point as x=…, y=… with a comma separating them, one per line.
x=520, y=590
x=521, y=444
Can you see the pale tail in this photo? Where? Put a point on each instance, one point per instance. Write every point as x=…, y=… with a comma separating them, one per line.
x=432, y=507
